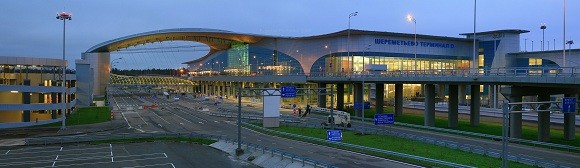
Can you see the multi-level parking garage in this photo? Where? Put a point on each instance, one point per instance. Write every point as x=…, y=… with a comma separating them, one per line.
x=31, y=91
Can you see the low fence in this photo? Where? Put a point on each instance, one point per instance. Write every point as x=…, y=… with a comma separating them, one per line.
x=403, y=155
x=529, y=160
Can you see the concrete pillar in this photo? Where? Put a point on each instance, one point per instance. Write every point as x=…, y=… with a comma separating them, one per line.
x=570, y=123
x=544, y=120
x=322, y=98
x=398, y=99
x=429, y=105
x=515, y=119
x=475, y=102
x=53, y=100
x=452, y=106
x=340, y=96
x=358, y=97
x=440, y=91
x=462, y=92
x=26, y=100
x=379, y=97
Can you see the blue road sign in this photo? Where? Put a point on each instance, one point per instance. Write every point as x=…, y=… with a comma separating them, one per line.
x=288, y=91
x=360, y=106
x=334, y=135
x=384, y=119
x=569, y=105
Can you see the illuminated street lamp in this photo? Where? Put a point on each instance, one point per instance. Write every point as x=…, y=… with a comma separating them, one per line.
x=410, y=18
x=348, y=41
x=63, y=16
x=543, y=27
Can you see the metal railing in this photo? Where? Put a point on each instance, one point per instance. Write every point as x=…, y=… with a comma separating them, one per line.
x=473, y=134
x=525, y=159
x=403, y=155
x=514, y=71
x=91, y=138
x=455, y=145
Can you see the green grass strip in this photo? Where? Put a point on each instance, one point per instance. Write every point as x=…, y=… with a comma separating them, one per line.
x=86, y=115
x=402, y=145
x=491, y=128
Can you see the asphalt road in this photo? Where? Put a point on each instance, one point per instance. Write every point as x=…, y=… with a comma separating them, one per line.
x=174, y=117
x=557, y=156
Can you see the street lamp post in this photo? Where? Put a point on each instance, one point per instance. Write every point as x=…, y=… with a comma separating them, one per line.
x=63, y=16
x=474, y=25
x=543, y=27
x=410, y=18
x=564, y=46
x=348, y=42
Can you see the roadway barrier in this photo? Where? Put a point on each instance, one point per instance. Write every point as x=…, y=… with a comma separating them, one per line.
x=403, y=155
x=474, y=134
x=525, y=159
x=96, y=137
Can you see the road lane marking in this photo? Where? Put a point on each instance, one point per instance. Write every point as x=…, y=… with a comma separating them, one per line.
x=55, y=160
x=7, y=152
x=142, y=118
x=152, y=111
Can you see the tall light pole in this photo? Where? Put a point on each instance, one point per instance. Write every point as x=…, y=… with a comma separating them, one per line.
x=543, y=27
x=410, y=18
x=474, y=25
x=564, y=46
x=63, y=16
x=348, y=42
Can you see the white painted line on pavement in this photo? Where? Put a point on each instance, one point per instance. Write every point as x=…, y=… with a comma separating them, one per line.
x=7, y=152
x=60, y=149
x=111, y=147
x=96, y=163
x=172, y=165
x=160, y=117
x=165, y=154
x=142, y=119
x=54, y=160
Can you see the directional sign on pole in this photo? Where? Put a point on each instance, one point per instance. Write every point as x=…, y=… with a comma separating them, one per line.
x=569, y=105
x=384, y=119
x=334, y=135
x=288, y=91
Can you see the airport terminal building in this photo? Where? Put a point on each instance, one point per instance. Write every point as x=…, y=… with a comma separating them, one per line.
x=348, y=51
x=481, y=69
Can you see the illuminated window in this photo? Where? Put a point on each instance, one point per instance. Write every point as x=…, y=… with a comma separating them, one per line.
x=535, y=62
x=480, y=60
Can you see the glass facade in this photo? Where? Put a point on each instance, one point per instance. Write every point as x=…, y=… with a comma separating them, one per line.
x=243, y=59
x=339, y=62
